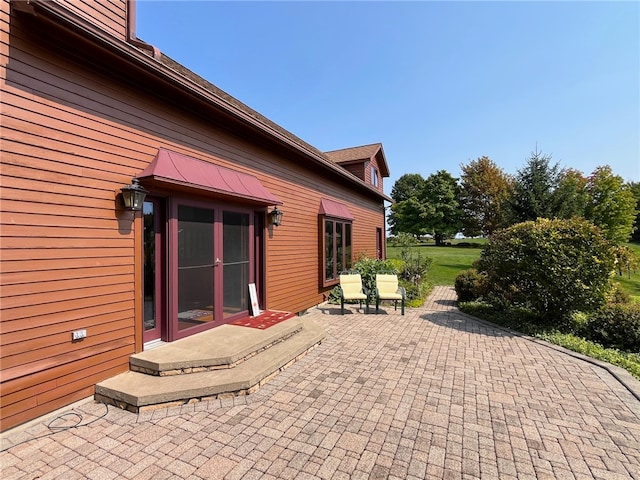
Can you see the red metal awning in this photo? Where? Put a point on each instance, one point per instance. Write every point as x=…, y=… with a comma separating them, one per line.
x=331, y=208
x=178, y=169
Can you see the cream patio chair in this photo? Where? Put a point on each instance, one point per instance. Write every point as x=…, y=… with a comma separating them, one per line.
x=351, y=289
x=387, y=289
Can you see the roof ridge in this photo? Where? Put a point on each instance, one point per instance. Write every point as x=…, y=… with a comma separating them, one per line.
x=357, y=146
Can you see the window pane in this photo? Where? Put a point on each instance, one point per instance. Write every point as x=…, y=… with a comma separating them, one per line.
x=235, y=262
x=195, y=266
x=328, y=250
x=149, y=274
x=339, y=248
x=347, y=246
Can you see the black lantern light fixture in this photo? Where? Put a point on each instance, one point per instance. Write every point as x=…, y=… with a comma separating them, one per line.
x=133, y=195
x=275, y=216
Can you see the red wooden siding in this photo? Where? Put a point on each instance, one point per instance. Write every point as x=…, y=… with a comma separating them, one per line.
x=111, y=15
x=357, y=169
x=70, y=139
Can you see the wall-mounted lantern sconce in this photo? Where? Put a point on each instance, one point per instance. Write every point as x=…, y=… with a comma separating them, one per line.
x=133, y=196
x=275, y=216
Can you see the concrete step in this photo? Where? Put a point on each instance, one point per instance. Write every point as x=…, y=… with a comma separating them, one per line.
x=220, y=347
x=135, y=391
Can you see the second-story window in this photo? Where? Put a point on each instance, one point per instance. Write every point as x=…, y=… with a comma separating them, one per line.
x=374, y=176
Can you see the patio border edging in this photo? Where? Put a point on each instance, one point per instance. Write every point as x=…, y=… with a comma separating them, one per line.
x=620, y=374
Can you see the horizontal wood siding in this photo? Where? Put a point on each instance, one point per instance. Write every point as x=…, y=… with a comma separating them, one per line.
x=71, y=139
x=67, y=257
x=357, y=169
x=111, y=15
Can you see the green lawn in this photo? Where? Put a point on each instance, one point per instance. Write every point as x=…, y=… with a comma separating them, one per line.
x=447, y=261
x=450, y=260
x=631, y=283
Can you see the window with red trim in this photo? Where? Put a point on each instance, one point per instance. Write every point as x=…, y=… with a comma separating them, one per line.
x=336, y=248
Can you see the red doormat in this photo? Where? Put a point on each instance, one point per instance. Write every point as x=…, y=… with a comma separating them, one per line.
x=266, y=319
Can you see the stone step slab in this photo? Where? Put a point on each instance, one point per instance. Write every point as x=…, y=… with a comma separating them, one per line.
x=135, y=391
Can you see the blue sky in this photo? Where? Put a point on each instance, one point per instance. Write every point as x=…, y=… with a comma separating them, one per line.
x=437, y=83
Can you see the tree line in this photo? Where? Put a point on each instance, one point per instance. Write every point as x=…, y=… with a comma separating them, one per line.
x=486, y=199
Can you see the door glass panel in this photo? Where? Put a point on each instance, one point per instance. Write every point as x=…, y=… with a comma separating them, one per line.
x=148, y=211
x=235, y=262
x=328, y=249
x=339, y=247
x=347, y=246
x=195, y=266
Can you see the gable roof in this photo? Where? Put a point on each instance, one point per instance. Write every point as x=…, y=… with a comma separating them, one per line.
x=360, y=154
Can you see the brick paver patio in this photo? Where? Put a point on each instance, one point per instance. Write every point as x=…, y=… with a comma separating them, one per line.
x=432, y=394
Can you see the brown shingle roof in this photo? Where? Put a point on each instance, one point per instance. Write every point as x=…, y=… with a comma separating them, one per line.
x=361, y=153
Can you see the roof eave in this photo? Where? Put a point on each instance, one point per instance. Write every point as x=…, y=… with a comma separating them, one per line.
x=72, y=21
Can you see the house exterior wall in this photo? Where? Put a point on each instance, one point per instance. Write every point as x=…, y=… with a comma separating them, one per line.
x=374, y=163
x=72, y=136
x=110, y=15
x=358, y=169
x=362, y=170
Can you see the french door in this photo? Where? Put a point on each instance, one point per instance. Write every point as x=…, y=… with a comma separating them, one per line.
x=210, y=263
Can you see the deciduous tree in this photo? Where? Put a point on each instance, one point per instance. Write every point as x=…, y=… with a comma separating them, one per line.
x=635, y=190
x=611, y=206
x=408, y=212
x=570, y=196
x=484, y=194
x=442, y=206
x=407, y=186
x=409, y=216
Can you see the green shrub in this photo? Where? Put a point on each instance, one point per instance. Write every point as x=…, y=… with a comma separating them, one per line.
x=412, y=290
x=618, y=295
x=334, y=295
x=414, y=267
x=615, y=325
x=470, y=285
x=469, y=245
x=411, y=271
x=553, y=267
x=520, y=319
x=629, y=361
x=396, y=264
x=369, y=267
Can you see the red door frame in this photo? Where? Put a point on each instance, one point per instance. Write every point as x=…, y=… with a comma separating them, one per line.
x=159, y=331
x=172, y=253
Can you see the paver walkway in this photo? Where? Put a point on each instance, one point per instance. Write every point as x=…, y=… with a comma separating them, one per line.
x=432, y=394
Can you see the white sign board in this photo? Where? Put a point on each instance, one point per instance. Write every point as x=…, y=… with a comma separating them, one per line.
x=253, y=295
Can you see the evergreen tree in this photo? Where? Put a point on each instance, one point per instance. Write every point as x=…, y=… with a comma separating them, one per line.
x=534, y=187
